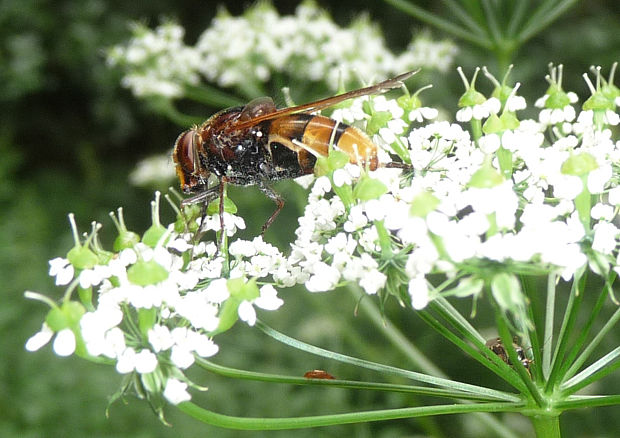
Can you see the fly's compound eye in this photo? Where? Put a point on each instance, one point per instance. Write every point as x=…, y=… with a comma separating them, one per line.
x=186, y=158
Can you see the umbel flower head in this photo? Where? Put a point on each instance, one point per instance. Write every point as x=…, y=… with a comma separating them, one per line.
x=533, y=196
x=245, y=51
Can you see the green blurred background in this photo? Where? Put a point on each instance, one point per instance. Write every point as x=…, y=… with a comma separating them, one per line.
x=70, y=135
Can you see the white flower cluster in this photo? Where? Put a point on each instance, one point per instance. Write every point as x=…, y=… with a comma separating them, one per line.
x=157, y=304
x=472, y=212
x=156, y=62
x=520, y=196
x=251, y=48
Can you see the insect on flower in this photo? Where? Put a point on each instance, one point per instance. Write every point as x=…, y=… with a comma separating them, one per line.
x=497, y=347
x=318, y=374
x=256, y=144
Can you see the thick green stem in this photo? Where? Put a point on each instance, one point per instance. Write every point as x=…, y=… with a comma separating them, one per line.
x=546, y=426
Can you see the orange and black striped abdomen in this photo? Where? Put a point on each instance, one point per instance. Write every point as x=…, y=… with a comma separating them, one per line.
x=309, y=136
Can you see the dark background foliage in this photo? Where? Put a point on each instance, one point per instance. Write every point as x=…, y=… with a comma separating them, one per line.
x=69, y=135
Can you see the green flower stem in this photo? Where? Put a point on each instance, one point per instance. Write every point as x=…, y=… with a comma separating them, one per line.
x=533, y=392
x=570, y=316
x=516, y=19
x=402, y=343
x=386, y=369
x=570, y=363
x=440, y=23
x=398, y=340
x=458, y=319
x=491, y=21
x=583, y=203
x=476, y=129
x=549, y=318
x=338, y=383
x=504, y=156
x=491, y=361
x=546, y=426
x=242, y=423
x=474, y=23
x=547, y=13
x=594, y=372
x=587, y=401
x=592, y=345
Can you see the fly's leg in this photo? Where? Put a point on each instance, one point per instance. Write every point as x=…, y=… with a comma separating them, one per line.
x=222, y=193
x=204, y=198
x=275, y=197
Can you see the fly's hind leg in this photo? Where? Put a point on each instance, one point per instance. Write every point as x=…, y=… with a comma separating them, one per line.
x=275, y=197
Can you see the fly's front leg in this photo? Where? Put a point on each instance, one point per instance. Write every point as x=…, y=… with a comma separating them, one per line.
x=204, y=198
x=222, y=190
x=275, y=197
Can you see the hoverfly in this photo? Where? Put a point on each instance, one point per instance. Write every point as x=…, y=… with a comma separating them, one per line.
x=256, y=144
x=318, y=374
x=497, y=347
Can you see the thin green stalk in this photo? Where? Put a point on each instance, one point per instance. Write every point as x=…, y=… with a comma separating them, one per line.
x=440, y=23
x=445, y=305
x=398, y=340
x=570, y=363
x=570, y=316
x=592, y=345
x=437, y=381
x=543, y=18
x=491, y=20
x=338, y=383
x=549, y=318
x=532, y=335
x=516, y=18
x=475, y=11
x=594, y=372
x=402, y=343
x=533, y=393
x=588, y=401
x=492, y=362
x=465, y=18
x=243, y=423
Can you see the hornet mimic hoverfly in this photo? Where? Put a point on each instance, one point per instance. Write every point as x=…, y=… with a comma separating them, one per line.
x=256, y=144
